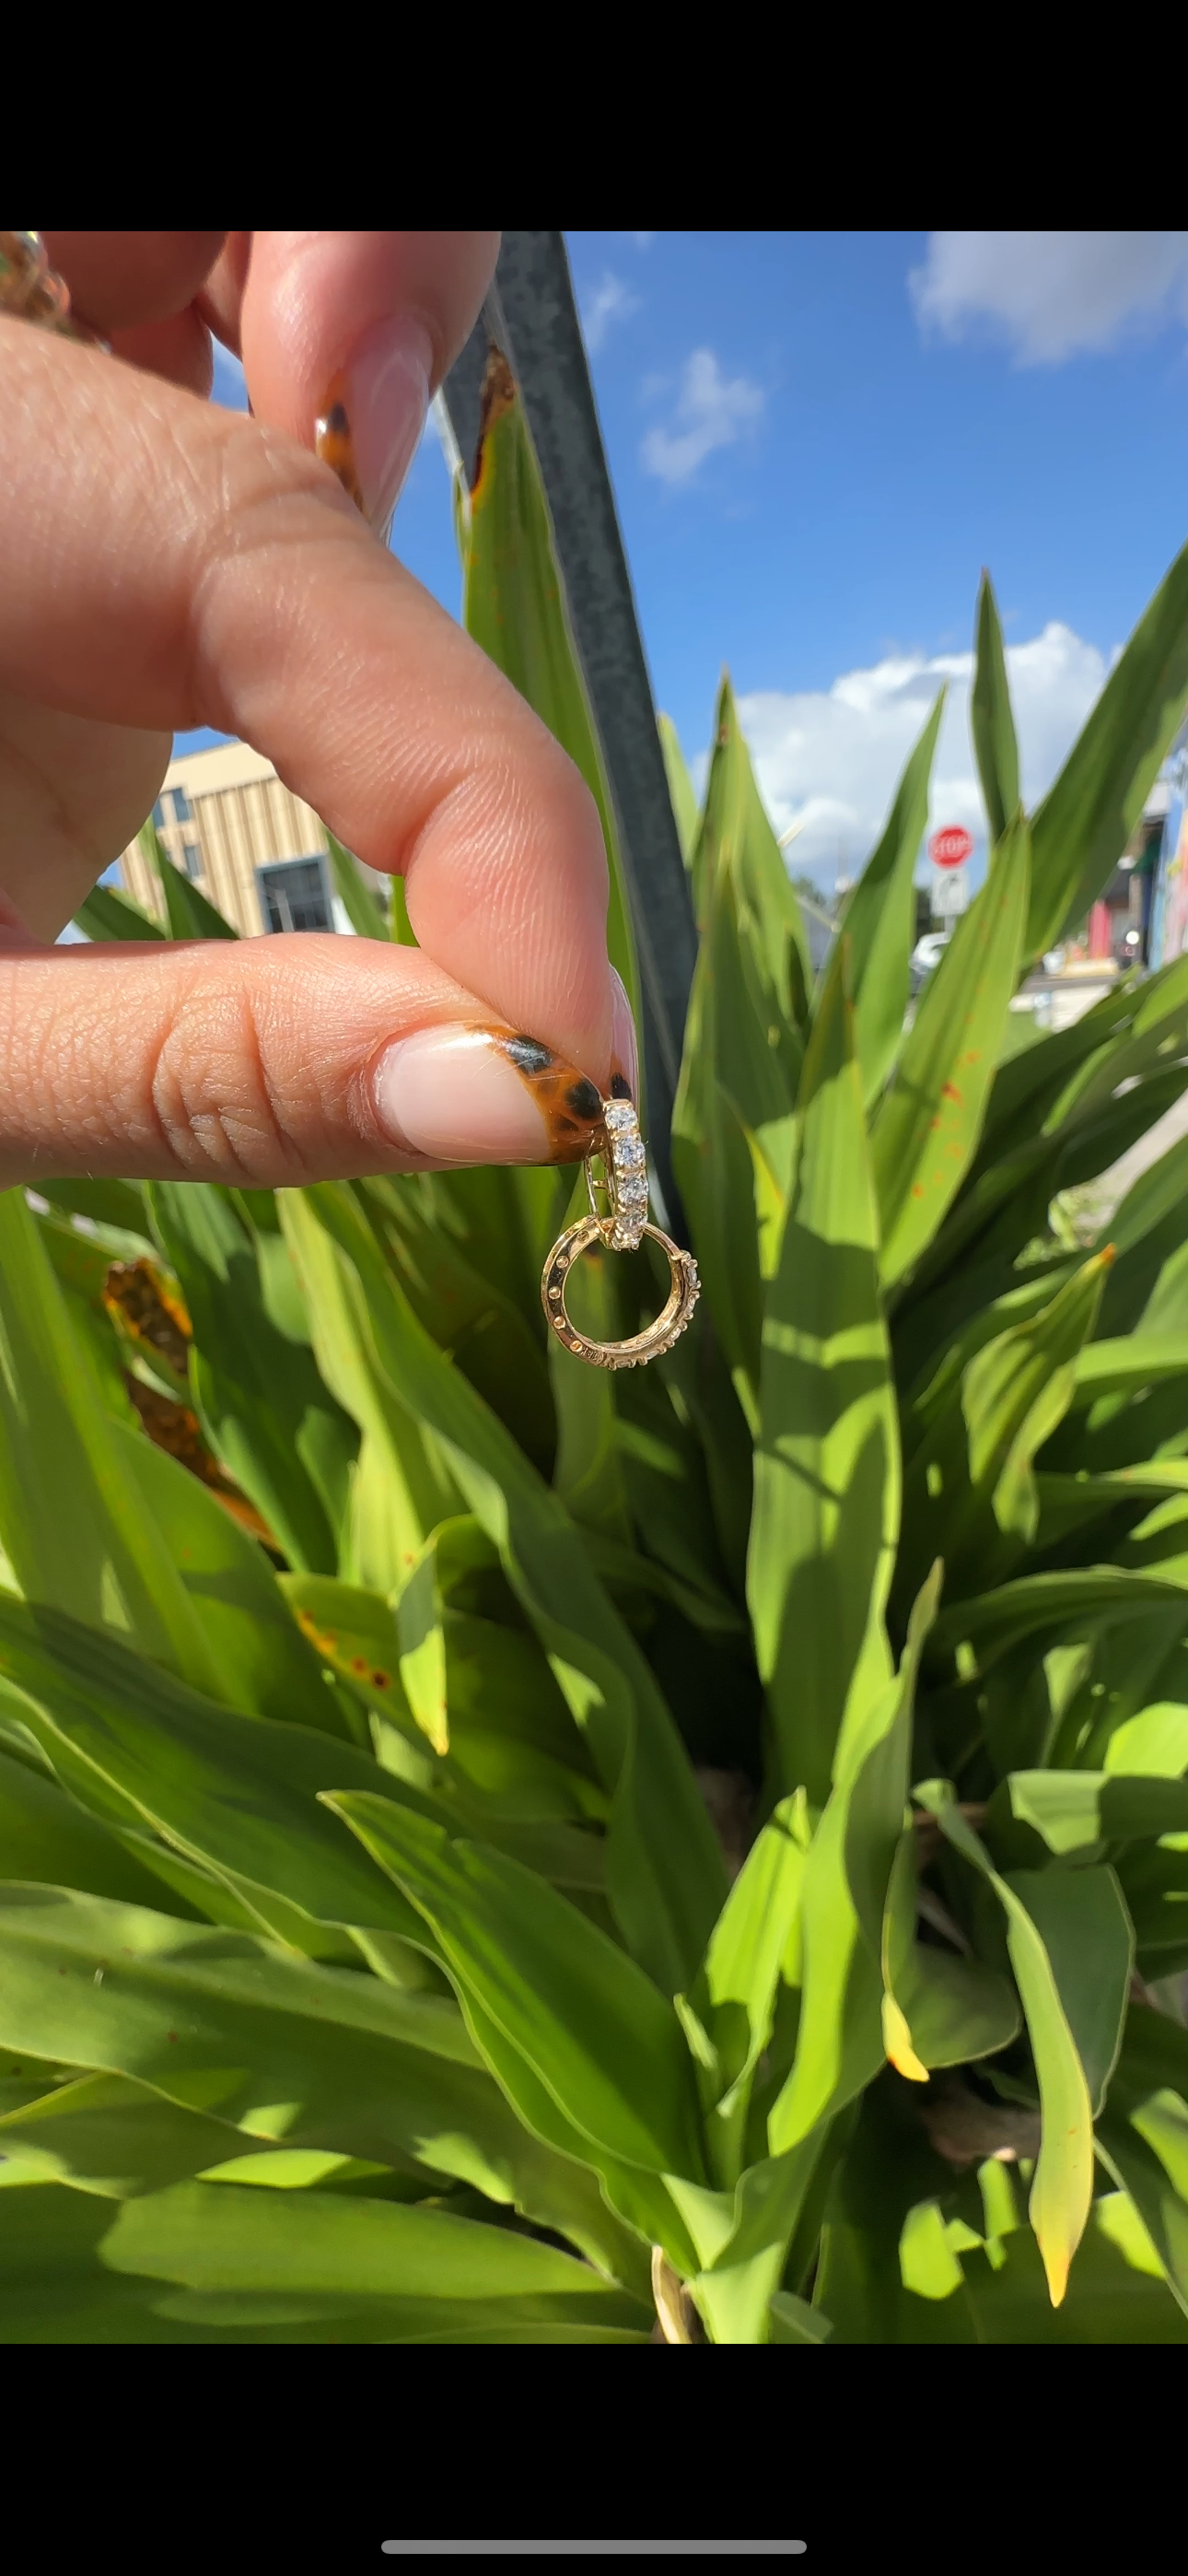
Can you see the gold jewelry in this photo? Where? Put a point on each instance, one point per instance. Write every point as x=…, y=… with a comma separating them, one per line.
x=621, y=1229
x=32, y=291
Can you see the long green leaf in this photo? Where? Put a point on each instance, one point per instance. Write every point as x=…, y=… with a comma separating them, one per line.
x=354, y=1634
x=735, y=2289
x=927, y=1131
x=258, y=1660
x=45, y=1836
x=105, y=914
x=991, y=721
x=970, y=1492
x=264, y=1408
x=1086, y=819
x=1081, y=1918
x=1120, y=1366
x=402, y=1486
x=486, y=1331
x=734, y=1996
x=1144, y=2134
x=589, y=2022
x=484, y=1696
x=1063, y=2186
x=665, y=1889
x=992, y=1622
x=736, y=842
x=58, y=2288
x=111, y=1203
x=1082, y=1811
x=423, y=2275
x=711, y=1156
x=360, y=902
x=282, y=2049
x=839, y=2044
x=1157, y=1036
x=188, y=912
x=513, y=606
x=588, y=1473
x=938, y=2009
x=228, y=1791
x=898, y=2268
x=879, y=917
x=948, y=1353
x=1027, y=1087
x=74, y=1523
x=680, y=787
x=826, y=1512
x=105, y=2134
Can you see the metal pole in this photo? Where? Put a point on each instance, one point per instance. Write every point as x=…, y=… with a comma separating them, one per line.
x=532, y=317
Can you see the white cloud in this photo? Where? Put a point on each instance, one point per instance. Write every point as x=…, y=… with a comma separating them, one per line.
x=711, y=411
x=1051, y=295
x=610, y=301
x=830, y=759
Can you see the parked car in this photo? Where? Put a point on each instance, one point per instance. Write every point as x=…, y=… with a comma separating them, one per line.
x=926, y=954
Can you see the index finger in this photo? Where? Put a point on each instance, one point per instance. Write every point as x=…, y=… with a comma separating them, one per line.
x=216, y=575
x=367, y=322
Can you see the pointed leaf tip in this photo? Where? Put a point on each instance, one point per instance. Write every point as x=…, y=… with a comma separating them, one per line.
x=897, y=2040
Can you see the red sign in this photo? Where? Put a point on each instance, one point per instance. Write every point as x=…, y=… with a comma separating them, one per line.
x=951, y=847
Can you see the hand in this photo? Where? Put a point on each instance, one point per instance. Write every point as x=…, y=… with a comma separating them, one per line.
x=169, y=564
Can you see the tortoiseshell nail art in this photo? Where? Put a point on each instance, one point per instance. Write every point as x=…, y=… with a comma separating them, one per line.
x=334, y=443
x=569, y=1103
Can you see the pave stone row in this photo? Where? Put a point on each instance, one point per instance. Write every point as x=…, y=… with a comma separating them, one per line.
x=628, y=1175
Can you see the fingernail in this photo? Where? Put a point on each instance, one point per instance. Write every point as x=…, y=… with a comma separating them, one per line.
x=485, y=1095
x=453, y=1095
x=624, y=1043
x=373, y=415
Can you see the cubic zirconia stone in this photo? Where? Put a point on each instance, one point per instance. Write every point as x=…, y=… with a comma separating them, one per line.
x=619, y=1113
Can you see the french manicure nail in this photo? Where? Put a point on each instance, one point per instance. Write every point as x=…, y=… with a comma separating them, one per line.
x=624, y=1043
x=372, y=417
x=484, y=1095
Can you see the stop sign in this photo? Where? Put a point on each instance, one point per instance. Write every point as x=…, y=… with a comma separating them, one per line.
x=950, y=847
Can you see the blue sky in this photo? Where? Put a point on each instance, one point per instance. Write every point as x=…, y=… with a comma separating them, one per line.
x=818, y=439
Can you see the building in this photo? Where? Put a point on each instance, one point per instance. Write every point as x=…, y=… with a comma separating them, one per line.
x=1121, y=922
x=1169, y=921
x=256, y=852
x=1122, y=930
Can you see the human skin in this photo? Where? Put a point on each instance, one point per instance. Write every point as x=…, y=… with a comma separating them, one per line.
x=170, y=564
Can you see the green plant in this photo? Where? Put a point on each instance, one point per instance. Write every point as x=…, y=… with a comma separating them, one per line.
x=370, y=1969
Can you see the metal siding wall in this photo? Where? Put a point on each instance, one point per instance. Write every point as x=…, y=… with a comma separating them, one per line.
x=241, y=827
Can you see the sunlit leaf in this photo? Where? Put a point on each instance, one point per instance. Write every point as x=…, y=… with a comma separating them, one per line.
x=991, y=721
x=879, y=918
x=927, y=1130
x=827, y=1462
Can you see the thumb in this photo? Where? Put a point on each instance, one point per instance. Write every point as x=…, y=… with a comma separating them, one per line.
x=284, y=1060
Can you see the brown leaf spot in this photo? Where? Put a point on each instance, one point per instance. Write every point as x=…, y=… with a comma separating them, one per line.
x=498, y=396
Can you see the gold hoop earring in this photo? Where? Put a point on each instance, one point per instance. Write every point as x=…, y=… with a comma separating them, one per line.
x=620, y=1229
